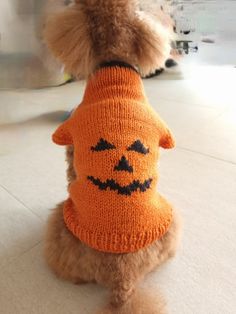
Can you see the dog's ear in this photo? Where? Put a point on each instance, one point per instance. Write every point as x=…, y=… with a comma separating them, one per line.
x=67, y=36
x=152, y=43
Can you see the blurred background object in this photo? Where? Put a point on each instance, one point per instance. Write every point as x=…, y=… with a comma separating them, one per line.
x=25, y=61
x=205, y=33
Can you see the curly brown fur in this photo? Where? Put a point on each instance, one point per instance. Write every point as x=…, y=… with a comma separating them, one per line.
x=72, y=260
x=71, y=175
x=142, y=302
x=95, y=31
x=82, y=37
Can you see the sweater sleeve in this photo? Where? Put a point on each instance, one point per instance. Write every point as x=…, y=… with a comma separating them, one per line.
x=62, y=135
x=167, y=139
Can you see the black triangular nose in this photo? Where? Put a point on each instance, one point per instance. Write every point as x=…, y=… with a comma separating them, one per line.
x=123, y=165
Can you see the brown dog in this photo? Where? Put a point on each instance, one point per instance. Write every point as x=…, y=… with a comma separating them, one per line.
x=82, y=37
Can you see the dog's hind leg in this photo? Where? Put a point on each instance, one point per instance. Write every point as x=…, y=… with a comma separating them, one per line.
x=66, y=255
x=168, y=244
x=161, y=250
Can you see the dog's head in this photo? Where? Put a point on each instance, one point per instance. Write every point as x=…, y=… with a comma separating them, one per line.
x=95, y=31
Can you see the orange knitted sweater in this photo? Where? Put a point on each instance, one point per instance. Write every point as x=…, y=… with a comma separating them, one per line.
x=113, y=204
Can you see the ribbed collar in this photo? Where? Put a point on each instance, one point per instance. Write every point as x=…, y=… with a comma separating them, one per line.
x=115, y=63
x=114, y=82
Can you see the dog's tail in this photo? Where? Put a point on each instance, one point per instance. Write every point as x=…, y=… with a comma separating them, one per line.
x=138, y=302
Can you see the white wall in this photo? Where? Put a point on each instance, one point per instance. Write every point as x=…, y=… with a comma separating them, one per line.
x=18, y=20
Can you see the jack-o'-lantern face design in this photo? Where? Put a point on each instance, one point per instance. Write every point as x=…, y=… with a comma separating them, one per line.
x=122, y=165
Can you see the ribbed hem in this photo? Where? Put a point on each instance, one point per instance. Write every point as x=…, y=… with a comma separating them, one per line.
x=112, y=243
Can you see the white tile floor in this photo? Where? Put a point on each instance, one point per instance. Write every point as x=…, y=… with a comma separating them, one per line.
x=199, y=177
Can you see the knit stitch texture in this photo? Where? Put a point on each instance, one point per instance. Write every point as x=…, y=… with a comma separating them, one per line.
x=113, y=204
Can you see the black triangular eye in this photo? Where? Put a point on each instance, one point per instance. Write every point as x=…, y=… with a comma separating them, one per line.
x=102, y=145
x=138, y=146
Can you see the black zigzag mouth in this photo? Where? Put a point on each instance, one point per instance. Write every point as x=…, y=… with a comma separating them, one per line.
x=111, y=184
